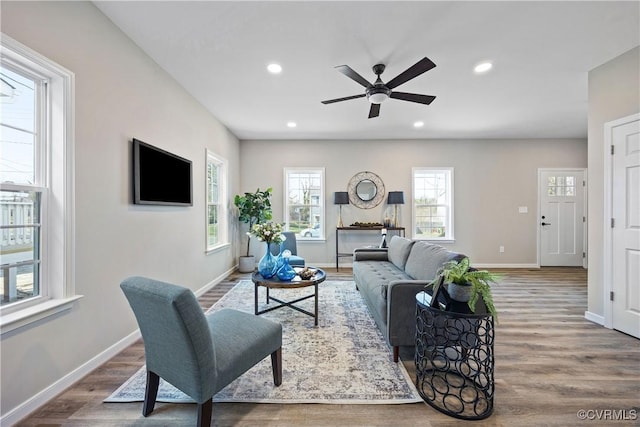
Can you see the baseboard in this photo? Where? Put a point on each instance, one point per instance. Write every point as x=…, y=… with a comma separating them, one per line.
x=327, y=265
x=215, y=281
x=489, y=265
x=29, y=406
x=32, y=404
x=595, y=318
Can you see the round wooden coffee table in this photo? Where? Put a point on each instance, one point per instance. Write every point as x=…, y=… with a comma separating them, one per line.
x=296, y=282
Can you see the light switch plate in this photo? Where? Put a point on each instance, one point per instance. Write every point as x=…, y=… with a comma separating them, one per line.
x=523, y=209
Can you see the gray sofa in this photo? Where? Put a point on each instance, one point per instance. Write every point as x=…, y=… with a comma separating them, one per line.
x=389, y=278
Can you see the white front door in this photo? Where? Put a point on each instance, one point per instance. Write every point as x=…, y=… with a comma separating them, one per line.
x=625, y=237
x=561, y=220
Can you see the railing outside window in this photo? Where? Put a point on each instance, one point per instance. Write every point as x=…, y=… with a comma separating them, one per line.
x=19, y=245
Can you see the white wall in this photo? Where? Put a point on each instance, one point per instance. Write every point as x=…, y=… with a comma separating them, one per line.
x=120, y=94
x=614, y=92
x=492, y=179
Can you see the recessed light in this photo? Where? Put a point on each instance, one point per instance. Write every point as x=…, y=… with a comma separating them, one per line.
x=483, y=67
x=418, y=124
x=274, y=68
x=292, y=124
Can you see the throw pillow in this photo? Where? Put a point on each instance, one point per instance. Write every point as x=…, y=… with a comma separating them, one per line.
x=398, y=252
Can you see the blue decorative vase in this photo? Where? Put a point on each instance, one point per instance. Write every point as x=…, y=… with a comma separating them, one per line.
x=279, y=261
x=267, y=265
x=285, y=271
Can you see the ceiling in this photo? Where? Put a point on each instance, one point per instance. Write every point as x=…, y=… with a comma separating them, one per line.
x=541, y=54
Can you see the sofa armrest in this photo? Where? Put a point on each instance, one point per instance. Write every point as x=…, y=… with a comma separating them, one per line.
x=401, y=311
x=370, y=254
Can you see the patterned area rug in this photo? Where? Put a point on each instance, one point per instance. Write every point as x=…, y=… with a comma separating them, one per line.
x=342, y=360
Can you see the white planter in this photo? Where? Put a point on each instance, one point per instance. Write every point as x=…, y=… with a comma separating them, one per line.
x=246, y=264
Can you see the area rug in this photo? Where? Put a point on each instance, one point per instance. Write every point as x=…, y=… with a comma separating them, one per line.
x=344, y=360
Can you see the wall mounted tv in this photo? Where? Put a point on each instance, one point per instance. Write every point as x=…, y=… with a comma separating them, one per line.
x=160, y=177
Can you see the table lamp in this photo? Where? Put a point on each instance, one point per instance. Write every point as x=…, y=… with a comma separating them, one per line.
x=340, y=198
x=396, y=198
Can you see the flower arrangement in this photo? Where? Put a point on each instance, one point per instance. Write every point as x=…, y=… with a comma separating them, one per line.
x=269, y=232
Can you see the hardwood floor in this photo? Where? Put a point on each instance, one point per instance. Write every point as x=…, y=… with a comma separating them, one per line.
x=551, y=363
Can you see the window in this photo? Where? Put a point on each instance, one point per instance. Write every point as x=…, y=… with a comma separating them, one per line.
x=304, y=202
x=36, y=192
x=433, y=203
x=561, y=186
x=217, y=235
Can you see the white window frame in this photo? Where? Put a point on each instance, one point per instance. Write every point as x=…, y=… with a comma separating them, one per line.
x=223, y=195
x=56, y=181
x=321, y=205
x=449, y=221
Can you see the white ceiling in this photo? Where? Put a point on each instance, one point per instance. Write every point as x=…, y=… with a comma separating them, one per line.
x=542, y=52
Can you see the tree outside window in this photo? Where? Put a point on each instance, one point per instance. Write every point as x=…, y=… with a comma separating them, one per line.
x=304, y=202
x=216, y=234
x=433, y=203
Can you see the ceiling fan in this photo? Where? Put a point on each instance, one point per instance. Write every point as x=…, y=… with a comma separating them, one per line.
x=379, y=91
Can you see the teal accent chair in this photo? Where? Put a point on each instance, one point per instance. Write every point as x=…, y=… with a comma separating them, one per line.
x=291, y=244
x=197, y=353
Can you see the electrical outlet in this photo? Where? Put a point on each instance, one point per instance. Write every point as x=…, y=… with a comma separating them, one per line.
x=523, y=209
x=501, y=249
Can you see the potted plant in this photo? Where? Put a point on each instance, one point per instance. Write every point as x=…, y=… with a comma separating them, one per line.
x=466, y=284
x=253, y=208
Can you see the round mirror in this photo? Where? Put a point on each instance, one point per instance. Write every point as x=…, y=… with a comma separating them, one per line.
x=366, y=190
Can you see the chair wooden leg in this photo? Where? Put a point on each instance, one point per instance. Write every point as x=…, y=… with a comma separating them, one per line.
x=204, y=413
x=150, y=393
x=396, y=353
x=276, y=365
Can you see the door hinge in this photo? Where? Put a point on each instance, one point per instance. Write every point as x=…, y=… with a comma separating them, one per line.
x=613, y=222
x=611, y=296
x=584, y=219
x=584, y=254
x=612, y=149
x=584, y=183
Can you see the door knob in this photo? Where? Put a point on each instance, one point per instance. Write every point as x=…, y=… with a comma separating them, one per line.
x=545, y=223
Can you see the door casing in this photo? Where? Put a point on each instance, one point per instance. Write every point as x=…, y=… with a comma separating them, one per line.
x=607, y=267
x=584, y=213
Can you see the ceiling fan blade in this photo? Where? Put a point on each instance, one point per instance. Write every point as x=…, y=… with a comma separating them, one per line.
x=348, y=71
x=413, y=97
x=422, y=66
x=346, y=98
x=374, y=111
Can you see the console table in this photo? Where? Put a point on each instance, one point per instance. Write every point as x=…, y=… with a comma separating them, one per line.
x=399, y=230
x=454, y=358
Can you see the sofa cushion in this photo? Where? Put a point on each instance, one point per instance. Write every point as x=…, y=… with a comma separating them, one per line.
x=425, y=259
x=373, y=278
x=399, y=249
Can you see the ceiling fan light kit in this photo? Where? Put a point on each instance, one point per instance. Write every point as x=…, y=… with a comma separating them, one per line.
x=379, y=92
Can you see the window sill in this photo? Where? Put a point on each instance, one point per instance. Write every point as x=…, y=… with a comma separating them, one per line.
x=436, y=241
x=27, y=316
x=217, y=248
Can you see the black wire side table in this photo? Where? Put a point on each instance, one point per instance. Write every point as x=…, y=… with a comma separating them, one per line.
x=454, y=359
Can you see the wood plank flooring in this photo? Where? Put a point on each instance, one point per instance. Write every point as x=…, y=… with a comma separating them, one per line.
x=550, y=364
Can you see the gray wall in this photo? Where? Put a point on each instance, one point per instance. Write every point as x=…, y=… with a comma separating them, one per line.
x=492, y=178
x=614, y=92
x=120, y=94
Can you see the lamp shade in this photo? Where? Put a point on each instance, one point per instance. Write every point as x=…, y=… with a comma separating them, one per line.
x=341, y=198
x=396, y=198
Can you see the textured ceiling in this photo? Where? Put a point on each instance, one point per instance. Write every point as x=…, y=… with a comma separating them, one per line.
x=542, y=52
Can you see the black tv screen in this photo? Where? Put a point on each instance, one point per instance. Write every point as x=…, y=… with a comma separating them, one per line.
x=160, y=177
